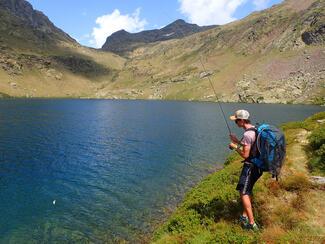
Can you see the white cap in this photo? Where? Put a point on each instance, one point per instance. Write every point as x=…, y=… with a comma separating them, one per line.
x=240, y=114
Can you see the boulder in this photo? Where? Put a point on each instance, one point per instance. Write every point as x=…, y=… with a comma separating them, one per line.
x=205, y=74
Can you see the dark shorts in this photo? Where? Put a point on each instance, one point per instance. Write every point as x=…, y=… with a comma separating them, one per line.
x=249, y=175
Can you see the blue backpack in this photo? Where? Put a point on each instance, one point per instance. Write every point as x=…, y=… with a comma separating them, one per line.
x=269, y=149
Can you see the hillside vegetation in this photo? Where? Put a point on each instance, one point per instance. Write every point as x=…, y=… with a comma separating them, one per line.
x=39, y=60
x=261, y=58
x=288, y=211
x=272, y=56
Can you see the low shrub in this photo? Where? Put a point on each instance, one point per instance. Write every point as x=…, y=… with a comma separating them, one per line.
x=227, y=233
x=302, y=233
x=316, y=163
x=317, y=138
x=293, y=125
x=296, y=182
x=273, y=234
x=315, y=117
x=299, y=202
x=213, y=201
x=232, y=158
x=287, y=218
x=274, y=187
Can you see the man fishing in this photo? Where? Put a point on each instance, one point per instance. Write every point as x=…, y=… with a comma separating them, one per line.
x=250, y=173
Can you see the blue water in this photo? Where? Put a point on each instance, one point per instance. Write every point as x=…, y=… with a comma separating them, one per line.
x=112, y=167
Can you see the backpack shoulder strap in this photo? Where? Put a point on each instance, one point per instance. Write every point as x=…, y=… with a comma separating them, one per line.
x=252, y=129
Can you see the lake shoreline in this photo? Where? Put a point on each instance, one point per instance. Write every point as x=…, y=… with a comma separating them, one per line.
x=321, y=103
x=209, y=214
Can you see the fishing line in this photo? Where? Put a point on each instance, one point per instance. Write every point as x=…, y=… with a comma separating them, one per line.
x=214, y=91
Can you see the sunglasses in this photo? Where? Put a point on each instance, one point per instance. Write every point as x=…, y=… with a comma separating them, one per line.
x=236, y=121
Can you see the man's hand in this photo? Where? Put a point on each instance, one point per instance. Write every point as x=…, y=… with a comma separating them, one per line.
x=233, y=138
x=233, y=146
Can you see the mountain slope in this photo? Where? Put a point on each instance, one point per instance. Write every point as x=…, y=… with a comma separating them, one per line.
x=273, y=56
x=122, y=42
x=38, y=59
x=264, y=57
x=26, y=26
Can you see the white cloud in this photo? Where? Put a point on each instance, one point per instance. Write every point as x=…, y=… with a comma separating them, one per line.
x=110, y=23
x=208, y=12
x=261, y=4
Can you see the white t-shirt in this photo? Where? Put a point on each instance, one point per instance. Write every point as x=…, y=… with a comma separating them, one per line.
x=248, y=138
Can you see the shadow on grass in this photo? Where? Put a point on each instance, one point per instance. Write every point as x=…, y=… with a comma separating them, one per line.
x=218, y=209
x=82, y=66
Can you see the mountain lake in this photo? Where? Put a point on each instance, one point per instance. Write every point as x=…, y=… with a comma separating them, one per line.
x=109, y=170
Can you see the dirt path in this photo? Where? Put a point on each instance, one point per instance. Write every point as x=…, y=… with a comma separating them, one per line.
x=296, y=152
x=315, y=206
x=293, y=208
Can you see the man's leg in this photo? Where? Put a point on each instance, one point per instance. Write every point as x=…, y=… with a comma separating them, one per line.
x=253, y=174
x=244, y=211
x=247, y=205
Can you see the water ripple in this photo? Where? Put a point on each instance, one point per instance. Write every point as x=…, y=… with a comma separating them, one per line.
x=111, y=167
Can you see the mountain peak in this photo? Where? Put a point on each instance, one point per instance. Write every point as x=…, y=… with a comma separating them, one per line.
x=34, y=24
x=122, y=41
x=179, y=21
x=122, y=31
x=178, y=24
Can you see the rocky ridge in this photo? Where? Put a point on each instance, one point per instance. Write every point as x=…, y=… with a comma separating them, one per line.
x=275, y=55
x=306, y=77
x=19, y=21
x=264, y=57
x=294, y=89
x=123, y=42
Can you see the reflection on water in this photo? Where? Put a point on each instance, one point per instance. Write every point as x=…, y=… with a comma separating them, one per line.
x=111, y=167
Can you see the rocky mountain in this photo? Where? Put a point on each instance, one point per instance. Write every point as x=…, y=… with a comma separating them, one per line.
x=19, y=21
x=275, y=55
x=39, y=59
x=272, y=56
x=123, y=42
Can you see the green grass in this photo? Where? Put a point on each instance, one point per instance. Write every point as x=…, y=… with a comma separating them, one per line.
x=319, y=101
x=4, y=95
x=316, y=148
x=308, y=124
x=259, y=36
x=82, y=65
x=296, y=182
x=317, y=151
x=209, y=212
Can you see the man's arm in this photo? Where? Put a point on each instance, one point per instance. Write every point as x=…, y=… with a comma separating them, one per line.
x=242, y=151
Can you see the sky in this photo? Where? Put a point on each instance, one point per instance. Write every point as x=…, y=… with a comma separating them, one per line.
x=91, y=22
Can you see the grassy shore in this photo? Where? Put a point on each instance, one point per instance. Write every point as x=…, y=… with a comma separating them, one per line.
x=289, y=210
